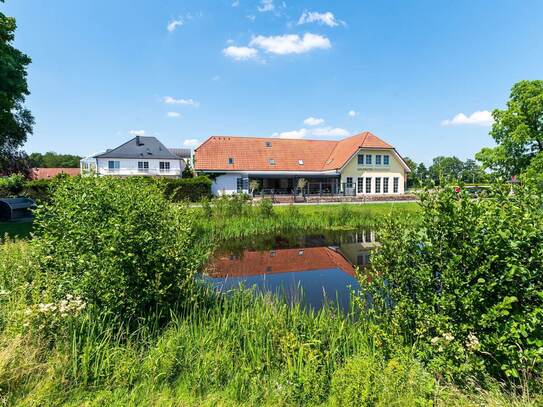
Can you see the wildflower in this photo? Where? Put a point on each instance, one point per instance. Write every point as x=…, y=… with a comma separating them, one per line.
x=434, y=341
x=448, y=337
x=473, y=342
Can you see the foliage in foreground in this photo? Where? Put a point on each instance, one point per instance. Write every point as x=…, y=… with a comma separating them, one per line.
x=117, y=243
x=238, y=349
x=466, y=284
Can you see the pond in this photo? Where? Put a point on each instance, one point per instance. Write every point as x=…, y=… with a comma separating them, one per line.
x=312, y=269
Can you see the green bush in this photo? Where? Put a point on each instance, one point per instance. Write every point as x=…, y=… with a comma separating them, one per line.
x=12, y=185
x=365, y=380
x=187, y=189
x=118, y=244
x=39, y=190
x=466, y=284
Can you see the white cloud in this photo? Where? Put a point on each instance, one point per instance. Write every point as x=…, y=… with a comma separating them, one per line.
x=173, y=114
x=319, y=131
x=330, y=131
x=250, y=17
x=294, y=134
x=240, y=53
x=173, y=101
x=216, y=78
x=321, y=18
x=137, y=132
x=313, y=121
x=290, y=43
x=266, y=5
x=480, y=118
x=352, y=113
x=235, y=3
x=191, y=142
x=173, y=24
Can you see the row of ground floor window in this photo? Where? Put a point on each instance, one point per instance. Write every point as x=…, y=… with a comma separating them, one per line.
x=311, y=186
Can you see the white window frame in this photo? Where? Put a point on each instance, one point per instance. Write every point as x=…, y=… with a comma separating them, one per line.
x=164, y=166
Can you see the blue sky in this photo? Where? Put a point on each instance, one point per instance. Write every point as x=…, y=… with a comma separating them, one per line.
x=412, y=72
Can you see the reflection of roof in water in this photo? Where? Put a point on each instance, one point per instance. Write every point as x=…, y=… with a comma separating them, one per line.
x=253, y=263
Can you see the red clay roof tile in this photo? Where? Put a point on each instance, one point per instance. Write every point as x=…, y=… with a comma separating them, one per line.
x=256, y=153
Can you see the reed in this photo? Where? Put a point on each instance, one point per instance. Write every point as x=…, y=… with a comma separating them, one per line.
x=240, y=220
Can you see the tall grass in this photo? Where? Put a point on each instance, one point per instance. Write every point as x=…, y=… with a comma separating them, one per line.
x=234, y=218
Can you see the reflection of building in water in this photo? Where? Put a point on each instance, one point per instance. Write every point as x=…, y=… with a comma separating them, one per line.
x=279, y=261
x=358, y=246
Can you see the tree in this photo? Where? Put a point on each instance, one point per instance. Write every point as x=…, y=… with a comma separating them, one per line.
x=518, y=131
x=15, y=120
x=16, y=162
x=412, y=179
x=472, y=172
x=54, y=160
x=447, y=168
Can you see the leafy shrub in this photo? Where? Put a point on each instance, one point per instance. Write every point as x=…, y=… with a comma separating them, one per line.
x=191, y=189
x=39, y=190
x=118, y=244
x=12, y=185
x=365, y=380
x=466, y=283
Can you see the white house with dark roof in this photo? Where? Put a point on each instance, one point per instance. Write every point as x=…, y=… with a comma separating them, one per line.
x=142, y=155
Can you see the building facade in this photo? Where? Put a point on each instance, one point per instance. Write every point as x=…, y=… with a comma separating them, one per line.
x=142, y=156
x=361, y=164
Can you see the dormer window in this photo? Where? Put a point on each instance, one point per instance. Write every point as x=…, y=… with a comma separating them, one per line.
x=271, y=161
x=268, y=144
x=301, y=162
x=230, y=161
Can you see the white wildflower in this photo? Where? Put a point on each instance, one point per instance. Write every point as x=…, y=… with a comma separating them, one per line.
x=448, y=337
x=473, y=342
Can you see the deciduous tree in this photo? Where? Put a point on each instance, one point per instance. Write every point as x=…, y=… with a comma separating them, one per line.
x=518, y=131
x=15, y=120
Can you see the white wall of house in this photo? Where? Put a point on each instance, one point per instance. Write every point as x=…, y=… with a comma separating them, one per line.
x=227, y=184
x=394, y=169
x=128, y=167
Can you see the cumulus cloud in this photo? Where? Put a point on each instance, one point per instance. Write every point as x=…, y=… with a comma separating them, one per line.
x=480, y=118
x=352, y=113
x=290, y=43
x=187, y=102
x=265, y=6
x=191, y=142
x=173, y=24
x=137, y=132
x=240, y=53
x=313, y=121
x=173, y=114
x=318, y=132
x=321, y=18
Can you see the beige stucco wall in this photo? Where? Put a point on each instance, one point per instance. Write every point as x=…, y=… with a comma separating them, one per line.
x=395, y=169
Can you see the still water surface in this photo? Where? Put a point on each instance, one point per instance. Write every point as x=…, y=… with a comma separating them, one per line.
x=311, y=269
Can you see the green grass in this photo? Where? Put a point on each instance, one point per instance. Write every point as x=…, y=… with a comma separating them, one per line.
x=245, y=220
x=15, y=229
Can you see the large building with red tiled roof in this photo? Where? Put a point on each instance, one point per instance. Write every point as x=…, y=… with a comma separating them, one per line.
x=358, y=165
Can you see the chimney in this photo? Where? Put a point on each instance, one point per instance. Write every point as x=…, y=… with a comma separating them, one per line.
x=138, y=141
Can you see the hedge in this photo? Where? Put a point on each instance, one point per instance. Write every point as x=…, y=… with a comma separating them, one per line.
x=191, y=189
